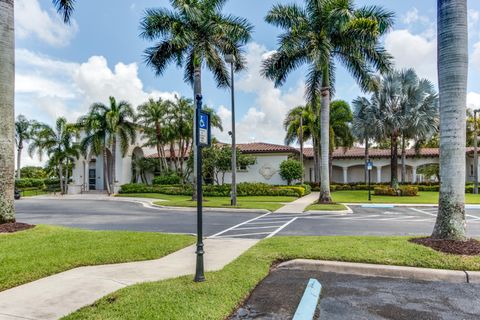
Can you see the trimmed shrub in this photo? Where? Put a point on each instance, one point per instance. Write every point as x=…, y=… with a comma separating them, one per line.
x=291, y=170
x=403, y=191
x=385, y=191
x=298, y=189
x=168, y=179
x=408, y=191
x=29, y=183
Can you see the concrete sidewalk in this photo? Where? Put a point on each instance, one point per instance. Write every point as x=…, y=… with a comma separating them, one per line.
x=299, y=205
x=63, y=293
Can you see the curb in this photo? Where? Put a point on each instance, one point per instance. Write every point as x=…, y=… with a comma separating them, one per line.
x=376, y=270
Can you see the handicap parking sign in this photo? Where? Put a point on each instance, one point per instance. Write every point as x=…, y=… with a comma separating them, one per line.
x=204, y=128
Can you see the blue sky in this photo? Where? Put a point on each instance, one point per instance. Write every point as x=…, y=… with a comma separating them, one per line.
x=62, y=70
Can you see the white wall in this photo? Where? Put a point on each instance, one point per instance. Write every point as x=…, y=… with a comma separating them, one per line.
x=266, y=165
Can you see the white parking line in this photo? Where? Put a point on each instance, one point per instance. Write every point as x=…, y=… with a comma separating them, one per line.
x=281, y=228
x=249, y=228
x=242, y=235
x=424, y=212
x=240, y=224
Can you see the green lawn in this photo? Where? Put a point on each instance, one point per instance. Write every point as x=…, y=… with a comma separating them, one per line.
x=425, y=197
x=268, y=203
x=31, y=193
x=216, y=298
x=45, y=250
x=326, y=207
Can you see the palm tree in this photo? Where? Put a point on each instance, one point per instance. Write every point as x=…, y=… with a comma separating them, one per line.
x=23, y=134
x=340, y=132
x=195, y=34
x=103, y=126
x=362, y=128
x=319, y=35
x=152, y=117
x=419, y=112
x=59, y=144
x=7, y=109
x=297, y=124
x=452, y=81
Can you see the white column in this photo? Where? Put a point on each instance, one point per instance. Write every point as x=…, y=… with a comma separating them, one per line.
x=414, y=174
x=379, y=174
x=345, y=175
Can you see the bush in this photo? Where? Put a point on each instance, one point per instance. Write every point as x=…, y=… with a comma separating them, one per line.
x=30, y=183
x=291, y=170
x=243, y=189
x=403, y=191
x=168, y=179
x=299, y=190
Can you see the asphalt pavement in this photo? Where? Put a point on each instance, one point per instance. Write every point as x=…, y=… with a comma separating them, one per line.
x=116, y=215
x=360, y=297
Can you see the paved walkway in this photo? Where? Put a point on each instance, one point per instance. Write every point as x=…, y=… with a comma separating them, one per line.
x=63, y=293
x=299, y=205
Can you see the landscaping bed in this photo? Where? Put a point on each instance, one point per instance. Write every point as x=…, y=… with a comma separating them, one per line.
x=423, y=197
x=470, y=247
x=45, y=250
x=14, y=227
x=326, y=207
x=226, y=289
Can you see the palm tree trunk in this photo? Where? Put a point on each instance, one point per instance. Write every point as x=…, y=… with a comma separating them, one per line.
x=325, y=196
x=452, y=76
x=404, y=158
x=19, y=159
x=197, y=91
x=316, y=164
x=60, y=175
x=106, y=176
x=114, y=160
x=302, y=179
x=7, y=120
x=67, y=178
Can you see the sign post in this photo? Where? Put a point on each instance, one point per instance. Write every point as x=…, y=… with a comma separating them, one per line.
x=369, y=168
x=203, y=134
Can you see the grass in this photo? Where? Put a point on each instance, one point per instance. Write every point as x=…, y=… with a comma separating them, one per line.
x=45, y=250
x=268, y=203
x=31, y=193
x=423, y=197
x=326, y=207
x=224, y=290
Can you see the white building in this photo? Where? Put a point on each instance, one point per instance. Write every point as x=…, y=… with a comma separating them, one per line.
x=348, y=165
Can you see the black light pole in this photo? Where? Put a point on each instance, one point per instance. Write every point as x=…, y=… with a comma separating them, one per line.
x=229, y=58
x=475, y=152
x=369, y=167
x=199, y=272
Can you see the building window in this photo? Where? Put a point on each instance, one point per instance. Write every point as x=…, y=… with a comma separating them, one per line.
x=471, y=170
x=242, y=167
x=311, y=174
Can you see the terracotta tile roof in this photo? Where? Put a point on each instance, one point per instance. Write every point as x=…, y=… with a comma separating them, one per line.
x=247, y=148
x=356, y=152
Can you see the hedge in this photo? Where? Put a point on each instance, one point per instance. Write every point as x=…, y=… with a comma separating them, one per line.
x=363, y=186
x=243, y=189
x=29, y=183
x=169, y=179
x=403, y=191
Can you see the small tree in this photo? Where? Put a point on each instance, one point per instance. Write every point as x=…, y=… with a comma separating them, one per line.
x=291, y=170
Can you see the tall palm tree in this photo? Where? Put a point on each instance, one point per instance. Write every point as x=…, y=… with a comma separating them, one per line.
x=340, y=129
x=23, y=134
x=7, y=110
x=60, y=146
x=452, y=81
x=152, y=117
x=362, y=128
x=297, y=125
x=195, y=34
x=104, y=126
x=319, y=35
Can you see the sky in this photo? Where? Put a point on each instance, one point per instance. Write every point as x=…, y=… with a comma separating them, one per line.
x=62, y=69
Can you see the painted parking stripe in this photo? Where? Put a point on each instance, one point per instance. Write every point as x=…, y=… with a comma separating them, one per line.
x=240, y=224
x=377, y=206
x=308, y=304
x=242, y=235
x=281, y=228
x=250, y=228
x=424, y=212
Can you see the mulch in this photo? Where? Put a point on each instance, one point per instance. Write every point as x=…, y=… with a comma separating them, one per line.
x=14, y=227
x=470, y=247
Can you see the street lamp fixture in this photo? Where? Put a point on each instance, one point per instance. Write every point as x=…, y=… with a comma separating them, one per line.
x=475, y=152
x=230, y=58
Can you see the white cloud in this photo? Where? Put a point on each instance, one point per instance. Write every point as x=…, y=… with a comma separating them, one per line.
x=473, y=100
x=413, y=51
x=263, y=120
x=30, y=20
x=412, y=16
x=475, y=56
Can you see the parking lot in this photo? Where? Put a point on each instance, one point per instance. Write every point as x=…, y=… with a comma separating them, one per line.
x=375, y=220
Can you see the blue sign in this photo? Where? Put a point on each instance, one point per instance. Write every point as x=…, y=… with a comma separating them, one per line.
x=204, y=134
x=369, y=165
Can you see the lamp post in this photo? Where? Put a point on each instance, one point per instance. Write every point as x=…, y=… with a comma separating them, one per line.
x=230, y=58
x=475, y=152
x=199, y=269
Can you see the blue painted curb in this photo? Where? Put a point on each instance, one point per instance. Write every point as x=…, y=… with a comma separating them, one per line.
x=378, y=206
x=308, y=304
